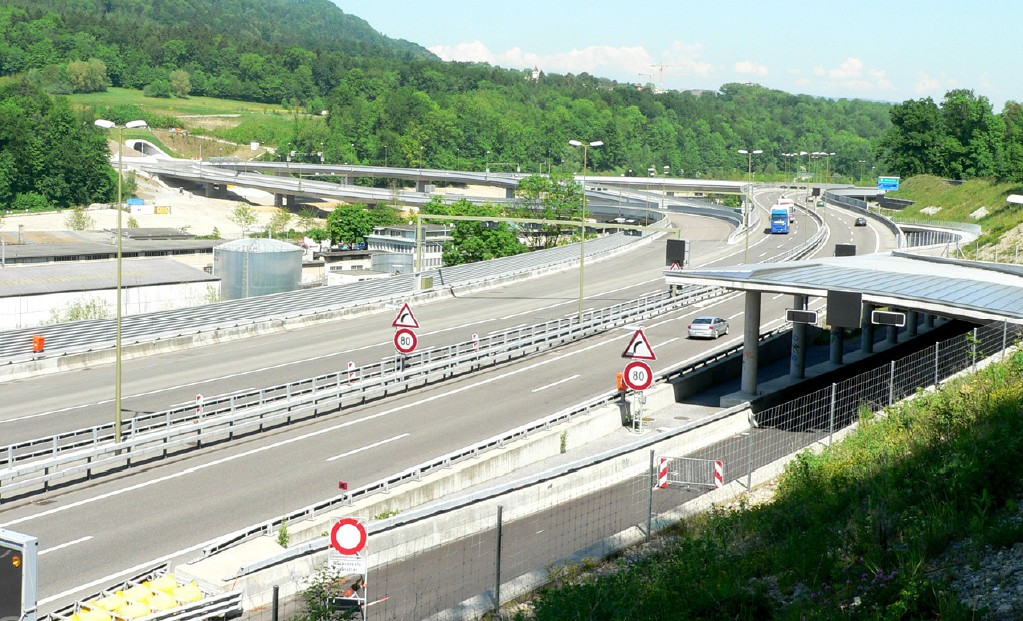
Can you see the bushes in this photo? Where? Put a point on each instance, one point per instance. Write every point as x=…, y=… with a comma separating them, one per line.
x=852, y=533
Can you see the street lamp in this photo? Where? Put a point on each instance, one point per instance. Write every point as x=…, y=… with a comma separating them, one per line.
x=828, y=155
x=117, y=347
x=749, y=195
x=582, y=225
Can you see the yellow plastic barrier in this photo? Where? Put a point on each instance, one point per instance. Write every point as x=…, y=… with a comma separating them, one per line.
x=137, y=593
x=134, y=610
x=165, y=583
x=111, y=602
x=91, y=614
x=188, y=593
x=160, y=601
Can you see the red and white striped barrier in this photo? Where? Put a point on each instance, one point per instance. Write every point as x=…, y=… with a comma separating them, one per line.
x=719, y=474
x=662, y=478
x=351, y=370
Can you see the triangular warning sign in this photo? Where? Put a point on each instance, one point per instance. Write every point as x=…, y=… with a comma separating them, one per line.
x=639, y=348
x=405, y=318
x=675, y=267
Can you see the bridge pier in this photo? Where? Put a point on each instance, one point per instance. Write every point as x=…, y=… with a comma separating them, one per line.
x=867, y=330
x=837, y=351
x=912, y=318
x=929, y=321
x=278, y=200
x=797, y=361
x=751, y=344
x=892, y=338
x=420, y=186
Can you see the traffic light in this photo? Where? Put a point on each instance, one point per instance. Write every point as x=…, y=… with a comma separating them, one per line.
x=11, y=572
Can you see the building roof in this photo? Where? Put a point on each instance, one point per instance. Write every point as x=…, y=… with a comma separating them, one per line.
x=45, y=278
x=950, y=287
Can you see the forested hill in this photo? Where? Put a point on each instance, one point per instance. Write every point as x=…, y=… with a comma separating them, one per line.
x=266, y=50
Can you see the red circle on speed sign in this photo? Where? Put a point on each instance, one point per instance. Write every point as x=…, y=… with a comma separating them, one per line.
x=638, y=375
x=405, y=341
x=348, y=536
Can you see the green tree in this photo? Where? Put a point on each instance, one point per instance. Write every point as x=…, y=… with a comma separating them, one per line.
x=245, y=217
x=350, y=224
x=306, y=219
x=279, y=221
x=180, y=83
x=551, y=197
x=158, y=88
x=78, y=220
x=78, y=311
x=913, y=144
x=472, y=240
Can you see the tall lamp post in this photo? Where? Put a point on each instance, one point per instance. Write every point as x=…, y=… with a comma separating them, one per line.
x=582, y=224
x=117, y=347
x=749, y=195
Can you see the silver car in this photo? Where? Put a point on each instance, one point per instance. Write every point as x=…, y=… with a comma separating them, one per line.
x=708, y=327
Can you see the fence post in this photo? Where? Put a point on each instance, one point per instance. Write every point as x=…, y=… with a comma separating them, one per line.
x=273, y=611
x=1005, y=336
x=749, y=455
x=497, y=582
x=831, y=415
x=891, y=384
x=936, y=364
x=973, y=350
x=650, y=499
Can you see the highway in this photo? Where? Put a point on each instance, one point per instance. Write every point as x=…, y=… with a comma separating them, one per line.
x=91, y=532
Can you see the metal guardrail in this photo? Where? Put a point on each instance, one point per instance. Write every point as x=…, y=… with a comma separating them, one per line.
x=857, y=206
x=43, y=460
x=92, y=335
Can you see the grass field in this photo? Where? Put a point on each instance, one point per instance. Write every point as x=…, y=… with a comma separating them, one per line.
x=238, y=121
x=173, y=106
x=957, y=203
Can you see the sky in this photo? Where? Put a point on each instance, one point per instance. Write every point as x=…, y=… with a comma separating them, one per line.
x=886, y=51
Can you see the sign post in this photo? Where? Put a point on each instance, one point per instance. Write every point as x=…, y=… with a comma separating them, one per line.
x=638, y=376
x=348, y=557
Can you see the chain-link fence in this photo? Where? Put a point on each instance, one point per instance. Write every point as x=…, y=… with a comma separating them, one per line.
x=459, y=562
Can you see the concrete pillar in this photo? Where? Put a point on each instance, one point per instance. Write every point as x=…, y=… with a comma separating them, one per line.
x=866, y=331
x=797, y=361
x=837, y=344
x=278, y=200
x=892, y=337
x=509, y=192
x=929, y=321
x=912, y=318
x=751, y=343
x=208, y=189
x=420, y=186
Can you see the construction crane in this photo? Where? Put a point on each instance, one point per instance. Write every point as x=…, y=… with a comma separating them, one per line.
x=660, y=68
x=649, y=77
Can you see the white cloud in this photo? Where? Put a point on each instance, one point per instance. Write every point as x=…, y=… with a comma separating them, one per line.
x=852, y=74
x=747, y=67
x=926, y=84
x=601, y=60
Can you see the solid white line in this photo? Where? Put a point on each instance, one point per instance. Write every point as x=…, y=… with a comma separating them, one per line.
x=306, y=436
x=667, y=342
x=131, y=570
x=367, y=447
x=553, y=384
x=65, y=545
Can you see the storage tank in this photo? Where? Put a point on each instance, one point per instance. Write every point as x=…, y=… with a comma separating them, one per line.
x=251, y=267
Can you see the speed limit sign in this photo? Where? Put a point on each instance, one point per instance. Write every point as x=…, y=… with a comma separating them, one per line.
x=405, y=341
x=638, y=375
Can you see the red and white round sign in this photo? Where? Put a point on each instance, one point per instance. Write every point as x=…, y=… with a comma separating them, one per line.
x=405, y=341
x=638, y=375
x=348, y=536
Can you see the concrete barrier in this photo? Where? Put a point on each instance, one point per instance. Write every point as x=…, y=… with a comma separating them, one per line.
x=421, y=527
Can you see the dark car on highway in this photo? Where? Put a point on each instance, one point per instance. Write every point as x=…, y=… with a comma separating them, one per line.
x=861, y=222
